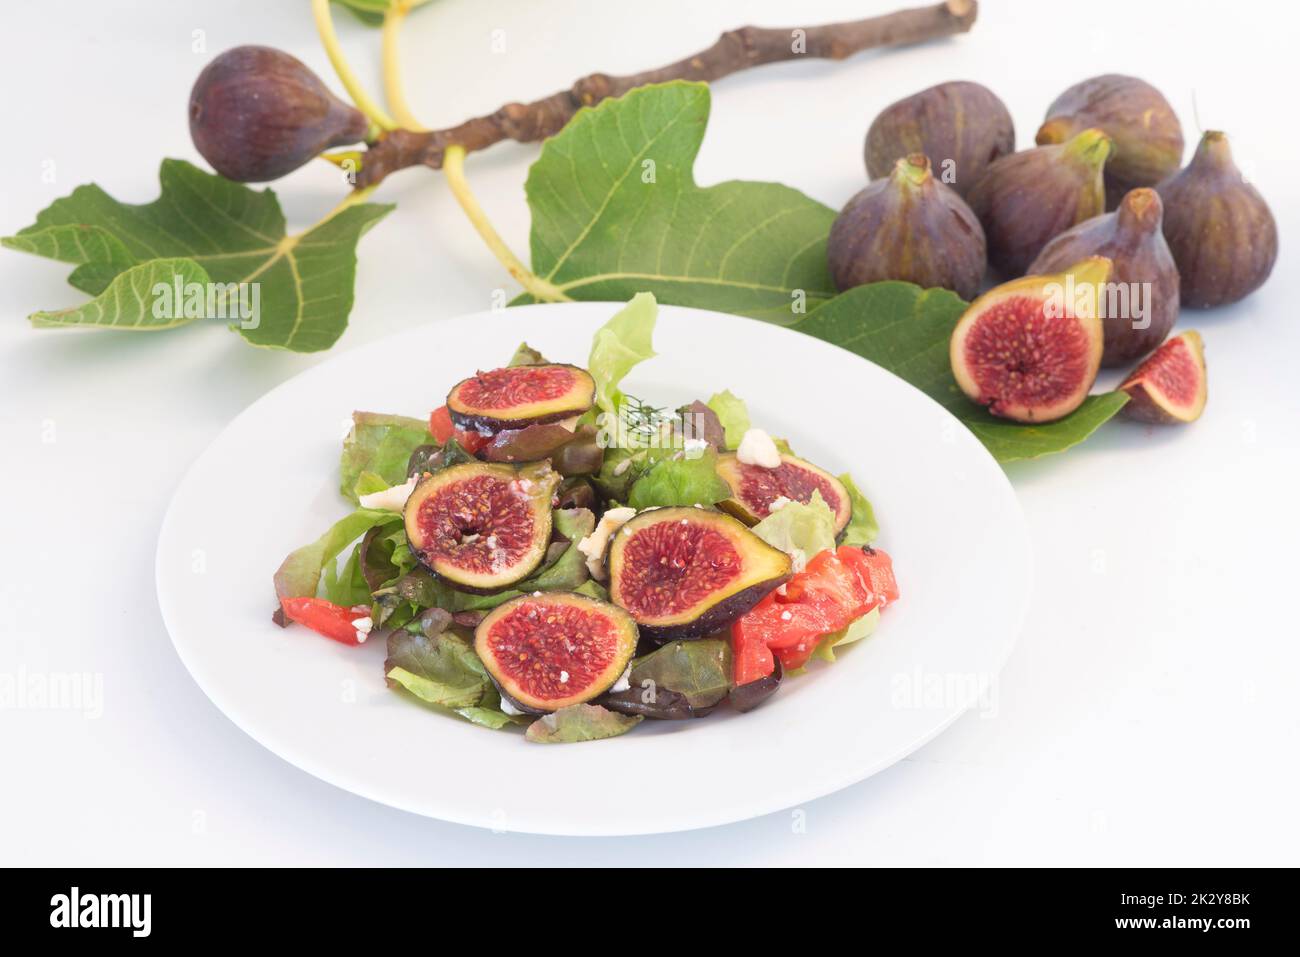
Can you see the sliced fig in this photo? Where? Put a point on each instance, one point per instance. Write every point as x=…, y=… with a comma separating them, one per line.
x=755, y=488
x=1030, y=349
x=1169, y=387
x=479, y=525
x=685, y=572
x=548, y=651
x=519, y=396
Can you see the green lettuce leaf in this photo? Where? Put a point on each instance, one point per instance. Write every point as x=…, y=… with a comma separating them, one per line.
x=862, y=528
x=800, y=530
x=619, y=345
x=856, y=630
x=733, y=414
x=300, y=573
x=699, y=670
x=674, y=480
x=381, y=445
x=906, y=330
x=526, y=355
x=580, y=722
x=443, y=671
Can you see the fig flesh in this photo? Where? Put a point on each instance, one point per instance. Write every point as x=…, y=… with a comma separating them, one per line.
x=1142, y=297
x=1147, y=137
x=518, y=396
x=481, y=526
x=257, y=113
x=1030, y=349
x=1170, y=386
x=1220, y=230
x=685, y=572
x=548, y=651
x=1026, y=199
x=754, y=488
x=908, y=226
x=961, y=126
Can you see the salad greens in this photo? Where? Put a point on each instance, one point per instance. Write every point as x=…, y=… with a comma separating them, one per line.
x=365, y=578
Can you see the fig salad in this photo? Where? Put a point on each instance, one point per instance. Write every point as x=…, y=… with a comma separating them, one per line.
x=548, y=552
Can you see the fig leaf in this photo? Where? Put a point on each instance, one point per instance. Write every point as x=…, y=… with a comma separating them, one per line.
x=201, y=235
x=616, y=211
x=906, y=329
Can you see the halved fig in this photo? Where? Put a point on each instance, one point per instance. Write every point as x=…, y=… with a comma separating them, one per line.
x=1169, y=387
x=1030, y=349
x=519, y=396
x=548, y=651
x=481, y=526
x=683, y=573
x=754, y=488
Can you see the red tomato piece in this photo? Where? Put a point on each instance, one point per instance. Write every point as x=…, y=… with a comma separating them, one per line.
x=834, y=589
x=442, y=429
x=751, y=658
x=879, y=569
x=325, y=617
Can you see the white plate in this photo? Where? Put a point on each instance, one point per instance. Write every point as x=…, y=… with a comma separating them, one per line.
x=268, y=484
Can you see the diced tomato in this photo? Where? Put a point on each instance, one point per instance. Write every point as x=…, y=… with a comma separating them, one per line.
x=751, y=658
x=440, y=426
x=834, y=589
x=326, y=618
x=442, y=429
x=879, y=570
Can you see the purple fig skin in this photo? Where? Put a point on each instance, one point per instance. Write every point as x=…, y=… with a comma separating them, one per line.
x=257, y=113
x=1148, y=139
x=961, y=126
x=1220, y=230
x=1025, y=200
x=1131, y=238
x=909, y=227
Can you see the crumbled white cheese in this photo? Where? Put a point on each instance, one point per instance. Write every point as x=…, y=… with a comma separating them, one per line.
x=786, y=616
x=757, y=448
x=625, y=682
x=593, y=546
x=564, y=677
x=392, y=499
x=363, y=626
x=508, y=708
x=622, y=467
x=777, y=504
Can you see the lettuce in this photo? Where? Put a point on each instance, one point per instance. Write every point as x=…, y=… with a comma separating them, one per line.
x=619, y=345
x=381, y=445
x=863, y=627
x=800, y=530
x=443, y=671
x=862, y=528
x=580, y=722
x=674, y=480
x=526, y=355
x=300, y=573
x=733, y=414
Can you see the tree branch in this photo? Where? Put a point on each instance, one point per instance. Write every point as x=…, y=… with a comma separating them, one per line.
x=734, y=51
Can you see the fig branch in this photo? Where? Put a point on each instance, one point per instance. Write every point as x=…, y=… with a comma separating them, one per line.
x=734, y=51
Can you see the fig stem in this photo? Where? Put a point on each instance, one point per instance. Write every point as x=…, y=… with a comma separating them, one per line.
x=734, y=51
x=394, y=92
x=330, y=40
x=454, y=168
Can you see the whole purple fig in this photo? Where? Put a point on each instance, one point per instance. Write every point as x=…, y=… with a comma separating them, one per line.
x=1026, y=199
x=257, y=113
x=910, y=227
x=1147, y=137
x=1220, y=230
x=1140, y=303
x=961, y=126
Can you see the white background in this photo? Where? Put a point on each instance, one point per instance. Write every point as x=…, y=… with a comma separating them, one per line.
x=1147, y=715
